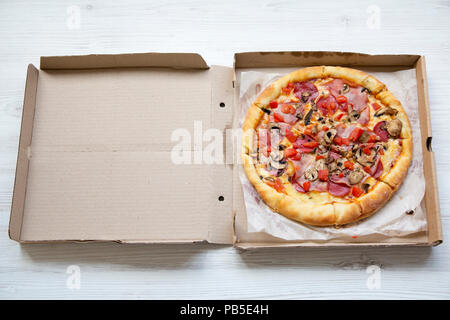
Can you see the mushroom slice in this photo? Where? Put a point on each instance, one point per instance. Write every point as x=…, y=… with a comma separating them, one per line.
x=276, y=160
x=341, y=150
x=366, y=187
x=279, y=165
x=274, y=125
x=364, y=138
x=308, y=117
x=276, y=155
x=299, y=114
x=355, y=176
x=386, y=110
x=364, y=159
x=322, y=150
x=329, y=136
x=332, y=166
x=320, y=164
x=353, y=116
x=346, y=88
x=305, y=96
x=345, y=119
x=340, y=163
x=311, y=174
x=394, y=127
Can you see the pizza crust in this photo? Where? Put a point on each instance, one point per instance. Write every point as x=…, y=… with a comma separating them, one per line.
x=375, y=199
x=306, y=212
x=254, y=115
x=270, y=196
x=355, y=76
x=347, y=212
x=274, y=90
x=335, y=212
x=397, y=174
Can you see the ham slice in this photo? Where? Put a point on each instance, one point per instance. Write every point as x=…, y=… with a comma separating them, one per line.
x=284, y=126
x=298, y=144
x=275, y=138
x=338, y=189
x=364, y=116
x=323, y=103
x=301, y=165
x=288, y=117
x=318, y=185
x=378, y=169
x=263, y=138
x=341, y=149
x=355, y=95
x=340, y=180
x=306, y=86
x=305, y=149
x=334, y=155
x=344, y=132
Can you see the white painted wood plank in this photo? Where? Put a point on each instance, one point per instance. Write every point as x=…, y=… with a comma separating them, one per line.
x=29, y=29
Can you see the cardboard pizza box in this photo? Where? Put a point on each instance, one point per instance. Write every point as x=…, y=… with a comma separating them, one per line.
x=96, y=149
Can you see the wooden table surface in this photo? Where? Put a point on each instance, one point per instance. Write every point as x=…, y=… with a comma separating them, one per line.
x=217, y=29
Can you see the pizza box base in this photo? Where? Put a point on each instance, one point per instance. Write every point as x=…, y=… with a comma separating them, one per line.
x=94, y=159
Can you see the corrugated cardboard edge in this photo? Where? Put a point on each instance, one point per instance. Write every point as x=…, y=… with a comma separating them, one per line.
x=20, y=182
x=292, y=59
x=187, y=241
x=435, y=236
x=131, y=60
x=265, y=245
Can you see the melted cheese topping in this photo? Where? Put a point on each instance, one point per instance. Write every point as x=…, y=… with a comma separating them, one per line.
x=392, y=148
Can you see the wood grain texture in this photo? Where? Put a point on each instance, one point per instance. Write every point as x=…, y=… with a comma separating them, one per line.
x=30, y=29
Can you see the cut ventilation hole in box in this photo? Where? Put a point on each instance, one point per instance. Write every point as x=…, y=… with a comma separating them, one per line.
x=221, y=198
x=428, y=144
x=222, y=105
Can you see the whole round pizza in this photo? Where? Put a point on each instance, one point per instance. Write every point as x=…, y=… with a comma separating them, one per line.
x=326, y=145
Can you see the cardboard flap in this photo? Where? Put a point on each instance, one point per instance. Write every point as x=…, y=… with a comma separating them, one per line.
x=309, y=58
x=151, y=59
x=102, y=156
x=429, y=165
x=20, y=182
x=220, y=223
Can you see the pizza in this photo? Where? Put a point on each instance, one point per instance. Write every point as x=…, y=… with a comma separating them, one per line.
x=326, y=145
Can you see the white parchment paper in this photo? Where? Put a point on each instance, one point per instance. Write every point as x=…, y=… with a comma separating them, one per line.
x=391, y=220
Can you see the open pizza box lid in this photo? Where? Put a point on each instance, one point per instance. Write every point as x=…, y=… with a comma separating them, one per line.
x=95, y=160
